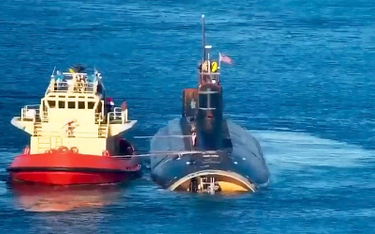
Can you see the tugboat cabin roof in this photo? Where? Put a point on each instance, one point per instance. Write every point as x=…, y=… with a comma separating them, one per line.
x=76, y=85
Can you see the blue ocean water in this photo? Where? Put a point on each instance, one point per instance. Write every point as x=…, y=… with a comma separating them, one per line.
x=302, y=82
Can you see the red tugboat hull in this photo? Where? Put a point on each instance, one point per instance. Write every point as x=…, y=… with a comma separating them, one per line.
x=67, y=168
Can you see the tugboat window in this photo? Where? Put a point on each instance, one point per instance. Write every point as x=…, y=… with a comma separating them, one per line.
x=61, y=104
x=71, y=105
x=81, y=105
x=91, y=105
x=52, y=104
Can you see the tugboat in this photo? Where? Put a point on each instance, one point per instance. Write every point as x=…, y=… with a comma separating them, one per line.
x=75, y=135
x=203, y=152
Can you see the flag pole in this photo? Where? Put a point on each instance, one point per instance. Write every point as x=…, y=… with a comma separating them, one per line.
x=219, y=60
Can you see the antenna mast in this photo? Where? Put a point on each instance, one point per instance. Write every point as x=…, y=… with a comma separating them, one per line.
x=203, y=40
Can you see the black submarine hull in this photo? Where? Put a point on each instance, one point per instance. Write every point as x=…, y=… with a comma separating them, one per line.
x=240, y=167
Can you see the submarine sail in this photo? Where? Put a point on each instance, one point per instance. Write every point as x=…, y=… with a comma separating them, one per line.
x=202, y=151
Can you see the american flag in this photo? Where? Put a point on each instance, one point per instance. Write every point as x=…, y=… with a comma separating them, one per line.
x=225, y=59
x=124, y=106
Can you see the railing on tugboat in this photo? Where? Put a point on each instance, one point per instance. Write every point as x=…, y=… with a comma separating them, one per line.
x=30, y=113
x=118, y=114
x=112, y=118
x=73, y=83
x=74, y=134
x=65, y=87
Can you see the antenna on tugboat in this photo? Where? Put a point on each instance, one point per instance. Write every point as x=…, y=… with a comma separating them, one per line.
x=53, y=72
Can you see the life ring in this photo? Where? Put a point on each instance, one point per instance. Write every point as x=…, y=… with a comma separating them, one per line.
x=106, y=153
x=26, y=150
x=53, y=150
x=74, y=149
x=63, y=149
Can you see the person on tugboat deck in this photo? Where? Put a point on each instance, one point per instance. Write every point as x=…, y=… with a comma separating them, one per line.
x=109, y=105
x=78, y=68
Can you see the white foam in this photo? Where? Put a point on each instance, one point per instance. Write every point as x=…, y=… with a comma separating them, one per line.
x=307, y=160
x=287, y=150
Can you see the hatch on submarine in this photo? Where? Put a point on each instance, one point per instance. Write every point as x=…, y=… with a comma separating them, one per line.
x=203, y=152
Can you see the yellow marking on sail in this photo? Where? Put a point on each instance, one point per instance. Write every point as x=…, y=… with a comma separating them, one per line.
x=214, y=67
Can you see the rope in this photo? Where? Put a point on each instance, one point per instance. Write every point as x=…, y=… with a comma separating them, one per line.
x=143, y=137
x=166, y=153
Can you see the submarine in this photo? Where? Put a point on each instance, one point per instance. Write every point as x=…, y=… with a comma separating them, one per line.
x=202, y=151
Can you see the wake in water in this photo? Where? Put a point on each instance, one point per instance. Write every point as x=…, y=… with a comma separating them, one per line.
x=294, y=150
x=311, y=160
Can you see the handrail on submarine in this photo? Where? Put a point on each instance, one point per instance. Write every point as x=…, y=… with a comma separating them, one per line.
x=205, y=77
